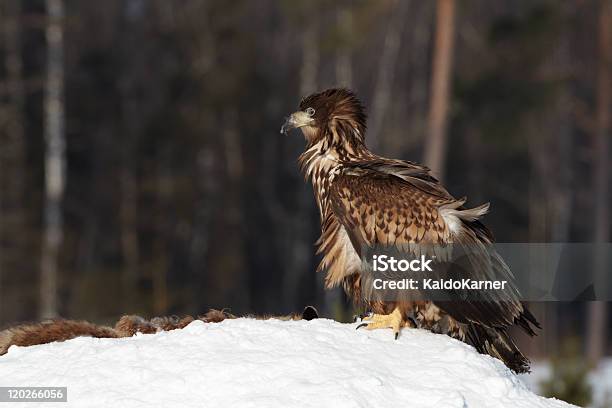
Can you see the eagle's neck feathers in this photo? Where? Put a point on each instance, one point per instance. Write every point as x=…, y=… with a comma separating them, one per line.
x=321, y=163
x=323, y=160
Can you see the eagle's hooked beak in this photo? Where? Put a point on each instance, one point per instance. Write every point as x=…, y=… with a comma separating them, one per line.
x=296, y=120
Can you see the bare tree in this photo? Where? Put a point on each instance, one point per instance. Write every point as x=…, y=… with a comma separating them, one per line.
x=386, y=70
x=310, y=59
x=133, y=118
x=344, y=71
x=234, y=161
x=436, y=141
x=12, y=154
x=597, y=322
x=560, y=191
x=300, y=228
x=54, y=159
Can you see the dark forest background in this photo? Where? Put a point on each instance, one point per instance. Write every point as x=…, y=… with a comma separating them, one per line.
x=142, y=169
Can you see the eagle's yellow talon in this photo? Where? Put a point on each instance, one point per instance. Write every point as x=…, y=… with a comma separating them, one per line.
x=394, y=321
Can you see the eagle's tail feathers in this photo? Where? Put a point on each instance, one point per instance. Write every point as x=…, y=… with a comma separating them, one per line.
x=525, y=320
x=497, y=343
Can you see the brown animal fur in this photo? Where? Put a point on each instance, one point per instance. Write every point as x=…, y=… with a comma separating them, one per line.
x=51, y=330
x=128, y=325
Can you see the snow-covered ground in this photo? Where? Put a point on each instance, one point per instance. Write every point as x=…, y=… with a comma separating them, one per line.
x=272, y=363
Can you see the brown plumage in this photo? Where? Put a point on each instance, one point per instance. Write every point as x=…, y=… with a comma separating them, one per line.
x=31, y=334
x=366, y=200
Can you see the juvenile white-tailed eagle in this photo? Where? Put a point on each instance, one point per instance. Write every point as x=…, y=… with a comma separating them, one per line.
x=366, y=200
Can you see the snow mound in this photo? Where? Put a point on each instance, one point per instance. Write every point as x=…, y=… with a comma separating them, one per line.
x=271, y=363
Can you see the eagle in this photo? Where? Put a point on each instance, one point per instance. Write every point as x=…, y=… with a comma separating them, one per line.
x=366, y=200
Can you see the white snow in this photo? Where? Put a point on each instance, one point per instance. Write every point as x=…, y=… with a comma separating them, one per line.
x=271, y=363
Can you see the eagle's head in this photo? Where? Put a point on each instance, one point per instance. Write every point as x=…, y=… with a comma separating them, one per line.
x=335, y=115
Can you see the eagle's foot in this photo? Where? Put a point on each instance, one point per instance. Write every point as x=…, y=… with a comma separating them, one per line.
x=394, y=321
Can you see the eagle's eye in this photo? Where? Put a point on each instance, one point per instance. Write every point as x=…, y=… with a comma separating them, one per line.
x=310, y=112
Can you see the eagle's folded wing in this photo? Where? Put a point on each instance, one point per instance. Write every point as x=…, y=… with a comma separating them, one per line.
x=390, y=203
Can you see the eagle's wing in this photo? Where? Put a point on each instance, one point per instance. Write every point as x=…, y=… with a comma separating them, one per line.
x=395, y=203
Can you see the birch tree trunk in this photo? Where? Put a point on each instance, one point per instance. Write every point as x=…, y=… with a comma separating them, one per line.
x=436, y=141
x=598, y=311
x=54, y=160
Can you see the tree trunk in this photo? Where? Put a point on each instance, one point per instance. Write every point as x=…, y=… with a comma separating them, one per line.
x=299, y=229
x=436, y=141
x=537, y=216
x=13, y=213
x=598, y=316
x=344, y=71
x=386, y=72
x=562, y=193
x=132, y=120
x=54, y=160
x=128, y=215
x=229, y=270
x=310, y=59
